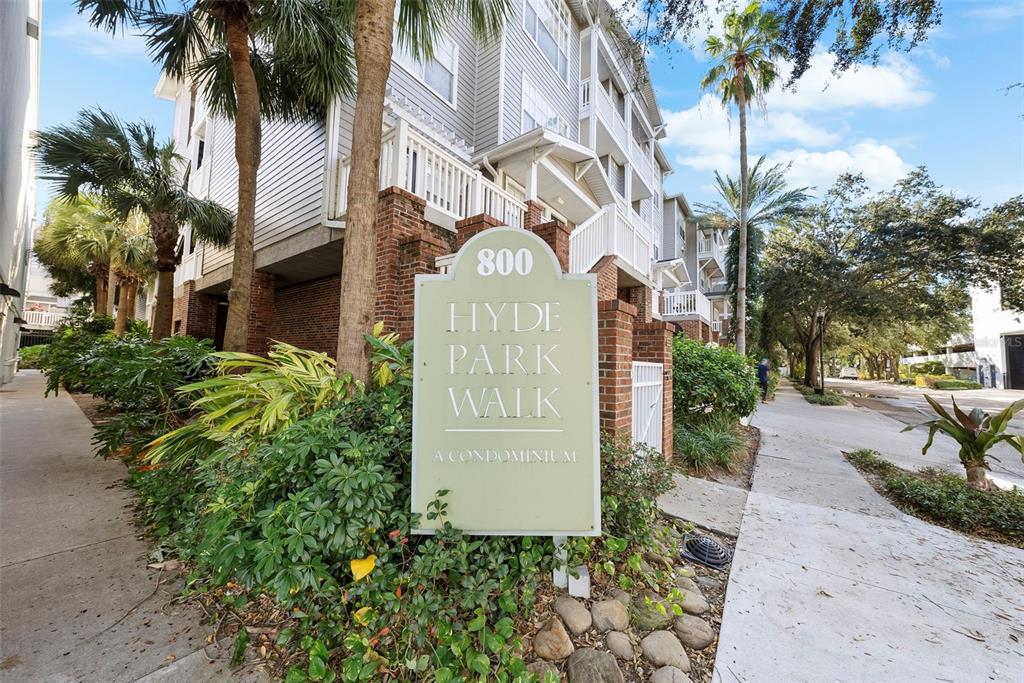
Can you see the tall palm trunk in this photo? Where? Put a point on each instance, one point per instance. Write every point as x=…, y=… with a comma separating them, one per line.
x=99, y=273
x=165, y=236
x=108, y=306
x=248, y=135
x=374, y=30
x=133, y=293
x=741, y=255
x=121, y=321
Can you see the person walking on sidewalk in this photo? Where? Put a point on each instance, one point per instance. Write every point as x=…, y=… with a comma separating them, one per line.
x=762, y=379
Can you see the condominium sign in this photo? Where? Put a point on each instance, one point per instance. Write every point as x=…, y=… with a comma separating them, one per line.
x=505, y=397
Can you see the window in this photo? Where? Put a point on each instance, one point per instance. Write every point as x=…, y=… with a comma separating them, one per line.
x=440, y=73
x=538, y=112
x=547, y=22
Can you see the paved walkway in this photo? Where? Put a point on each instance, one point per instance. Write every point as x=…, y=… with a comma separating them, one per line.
x=77, y=602
x=831, y=583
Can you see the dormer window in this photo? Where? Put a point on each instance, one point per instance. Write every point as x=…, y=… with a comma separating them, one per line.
x=547, y=22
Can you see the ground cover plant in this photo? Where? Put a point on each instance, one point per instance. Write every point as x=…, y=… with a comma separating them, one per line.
x=278, y=483
x=946, y=499
x=829, y=398
x=30, y=357
x=703, y=445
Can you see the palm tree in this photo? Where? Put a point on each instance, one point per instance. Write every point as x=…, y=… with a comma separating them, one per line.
x=77, y=235
x=249, y=58
x=743, y=72
x=125, y=165
x=769, y=201
x=419, y=23
x=133, y=262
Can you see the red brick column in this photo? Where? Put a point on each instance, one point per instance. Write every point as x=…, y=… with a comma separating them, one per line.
x=261, y=312
x=725, y=328
x=416, y=256
x=642, y=298
x=193, y=313
x=399, y=217
x=652, y=343
x=615, y=366
x=556, y=234
x=534, y=215
x=467, y=227
x=607, y=278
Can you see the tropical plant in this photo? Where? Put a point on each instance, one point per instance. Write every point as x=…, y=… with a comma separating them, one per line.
x=769, y=202
x=78, y=235
x=419, y=24
x=744, y=70
x=249, y=58
x=976, y=433
x=708, y=378
x=132, y=172
x=133, y=264
x=705, y=444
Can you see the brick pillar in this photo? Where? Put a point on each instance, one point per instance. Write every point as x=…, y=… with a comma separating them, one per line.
x=607, y=278
x=652, y=343
x=399, y=218
x=642, y=298
x=467, y=227
x=534, y=215
x=261, y=312
x=416, y=256
x=194, y=314
x=556, y=234
x=725, y=328
x=690, y=329
x=615, y=366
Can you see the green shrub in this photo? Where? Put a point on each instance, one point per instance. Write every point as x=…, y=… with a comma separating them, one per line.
x=928, y=367
x=30, y=357
x=704, y=445
x=63, y=362
x=829, y=398
x=946, y=499
x=711, y=378
x=956, y=384
x=632, y=477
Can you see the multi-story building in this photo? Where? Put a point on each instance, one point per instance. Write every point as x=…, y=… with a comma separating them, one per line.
x=19, y=116
x=548, y=128
x=998, y=339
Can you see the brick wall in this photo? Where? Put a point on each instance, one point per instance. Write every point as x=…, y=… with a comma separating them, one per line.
x=607, y=278
x=534, y=214
x=261, y=311
x=467, y=228
x=652, y=343
x=193, y=313
x=306, y=315
x=556, y=235
x=615, y=366
x=695, y=329
x=642, y=299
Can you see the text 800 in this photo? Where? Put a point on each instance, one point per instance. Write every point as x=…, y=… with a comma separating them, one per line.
x=504, y=262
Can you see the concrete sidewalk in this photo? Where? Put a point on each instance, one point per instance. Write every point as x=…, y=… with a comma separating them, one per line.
x=830, y=582
x=77, y=602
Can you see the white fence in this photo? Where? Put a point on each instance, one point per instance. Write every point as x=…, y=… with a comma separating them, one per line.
x=685, y=303
x=414, y=163
x=648, y=386
x=610, y=232
x=43, y=320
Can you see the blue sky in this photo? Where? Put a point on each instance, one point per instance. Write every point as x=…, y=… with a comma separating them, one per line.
x=944, y=105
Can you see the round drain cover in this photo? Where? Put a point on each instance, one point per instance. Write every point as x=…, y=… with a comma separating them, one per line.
x=705, y=550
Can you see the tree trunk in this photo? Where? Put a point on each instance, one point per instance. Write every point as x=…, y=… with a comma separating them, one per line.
x=741, y=264
x=108, y=308
x=374, y=27
x=121, y=321
x=163, y=313
x=248, y=134
x=976, y=477
x=133, y=293
x=164, y=232
x=100, y=274
x=811, y=370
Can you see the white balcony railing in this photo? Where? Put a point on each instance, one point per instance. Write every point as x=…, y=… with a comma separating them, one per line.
x=412, y=162
x=642, y=163
x=679, y=304
x=716, y=326
x=709, y=247
x=610, y=232
x=43, y=320
x=596, y=98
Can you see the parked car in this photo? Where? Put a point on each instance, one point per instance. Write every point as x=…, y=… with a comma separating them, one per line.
x=848, y=373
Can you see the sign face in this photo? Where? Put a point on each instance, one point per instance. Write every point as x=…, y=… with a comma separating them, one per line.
x=505, y=393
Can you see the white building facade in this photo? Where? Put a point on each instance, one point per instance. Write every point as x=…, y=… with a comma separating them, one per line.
x=998, y=340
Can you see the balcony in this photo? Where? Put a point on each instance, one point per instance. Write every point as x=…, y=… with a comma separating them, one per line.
x=712, y=249
x=42, y=320
x=450, y=186
x=611, y=232
x=643, y=164
x=679, y=305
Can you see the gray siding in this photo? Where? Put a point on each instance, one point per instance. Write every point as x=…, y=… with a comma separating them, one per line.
x=289, y=181
x=488, y=95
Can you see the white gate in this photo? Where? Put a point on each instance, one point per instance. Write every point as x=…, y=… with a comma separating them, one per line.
x=647, y=408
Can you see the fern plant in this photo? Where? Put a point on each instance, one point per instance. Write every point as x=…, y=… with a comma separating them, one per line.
x=976, y=432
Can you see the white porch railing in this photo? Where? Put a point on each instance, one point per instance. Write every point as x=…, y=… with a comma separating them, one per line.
x=43, y=320
x=412, y=162
x=642, y=163
x=678, y=304
x=596, y=95
x=648, y=387
x=716, y=326
x=610, y=232
x=709, y=247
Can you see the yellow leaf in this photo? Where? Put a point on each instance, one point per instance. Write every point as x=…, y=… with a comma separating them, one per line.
x=378, y=328
x=361, y=568
x=361, y=615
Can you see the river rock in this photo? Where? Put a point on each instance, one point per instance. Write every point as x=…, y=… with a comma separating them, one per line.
x=669, y=674
x=688, y=584
x=647, y=616
x=610, y=615
x=622, y=596
x=552, y=642
x=588, y=665
x=694, y=602
x=662, y=648
x=684, y=571
x=618, y=643
x=694, y=632
x=709, y=582
x=575, y=615
x=542, y=668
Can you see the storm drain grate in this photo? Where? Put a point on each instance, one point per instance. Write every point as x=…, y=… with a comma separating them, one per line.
x=705, y=550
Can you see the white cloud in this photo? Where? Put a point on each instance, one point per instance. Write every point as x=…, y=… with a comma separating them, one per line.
x=880, y=164
x=998, y=11
x=75, y=29
x=893, y=82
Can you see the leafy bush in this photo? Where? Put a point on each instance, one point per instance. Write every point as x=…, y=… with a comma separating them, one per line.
x=711, y=378
x=956, y=384
x=72, y=340
x=708, y=444
x=946, y=499
x=927, y=380
x=632, y=477
x=30, y=357
x=928, y=367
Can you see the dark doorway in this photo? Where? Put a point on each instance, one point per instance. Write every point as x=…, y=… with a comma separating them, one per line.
x=1014, y=345
x=220, y=324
